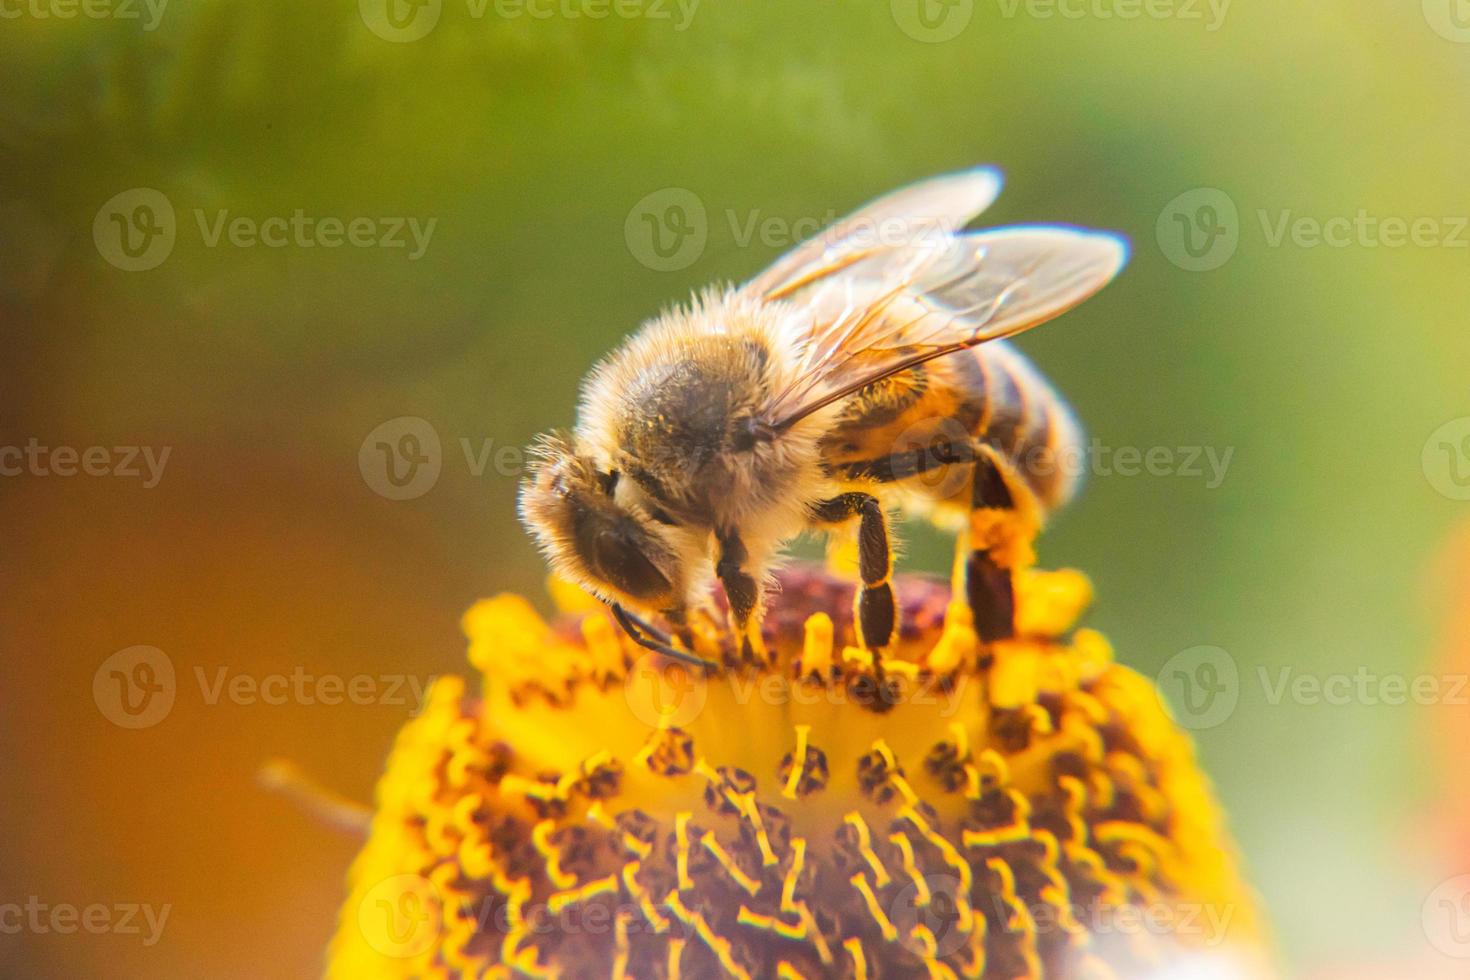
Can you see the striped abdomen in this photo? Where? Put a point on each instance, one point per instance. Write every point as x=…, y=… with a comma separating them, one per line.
x=919, y=430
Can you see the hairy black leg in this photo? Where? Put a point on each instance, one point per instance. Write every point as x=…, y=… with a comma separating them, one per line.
x=741, y=589
x=988, y=585
x=877, y=613
x=635, y=628
x=908, y=463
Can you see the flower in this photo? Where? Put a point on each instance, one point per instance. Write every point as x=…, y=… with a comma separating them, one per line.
x=950, y=809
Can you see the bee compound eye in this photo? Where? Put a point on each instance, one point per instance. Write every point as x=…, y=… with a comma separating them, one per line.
x=624, y=563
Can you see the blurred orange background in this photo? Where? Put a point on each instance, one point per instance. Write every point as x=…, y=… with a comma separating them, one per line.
x=264, y=551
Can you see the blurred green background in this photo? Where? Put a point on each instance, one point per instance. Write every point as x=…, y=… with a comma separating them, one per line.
x=535, y=145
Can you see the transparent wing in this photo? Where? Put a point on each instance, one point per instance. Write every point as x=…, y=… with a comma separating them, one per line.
x=887, y=309
x=930, y=210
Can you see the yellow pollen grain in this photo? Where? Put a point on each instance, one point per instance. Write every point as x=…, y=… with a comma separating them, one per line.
x=718, y=944
x=902, y=785
x=823, y=950
x=770, y=923
x=954, y=648
x=602, y=886
x=681, y=842
x=1039, y=718
x=906, y=669
x=620, y=944
x=645, y=901
x=972, y=782
x=816, y=646
x=961, y=740
x=952, y=858
x=1011, y=834
x=992, y=763
x=638, y=847
x=1015, y=678
x=529, y=789
x=1060, y=900
x=865, y=847
x=906, y=848
x=597, y=813
x=870, y=898
x=881, y=747
x=476, y=858
x=793, y=874
x=745, y=802
x=854, y=947
x=923, y=937
x=798, y=762
x=721, y=855
x=540, y=835
x=1049, y=603
x=858, y=657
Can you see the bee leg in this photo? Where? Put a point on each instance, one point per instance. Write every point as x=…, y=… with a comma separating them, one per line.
x=636, y=627
x=877, y=613
x=999, y=542
x=743, y=591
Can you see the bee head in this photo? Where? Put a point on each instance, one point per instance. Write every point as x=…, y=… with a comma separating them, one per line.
x=611, y=548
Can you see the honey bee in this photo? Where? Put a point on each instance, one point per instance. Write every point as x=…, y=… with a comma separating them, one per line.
x=866, y=368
